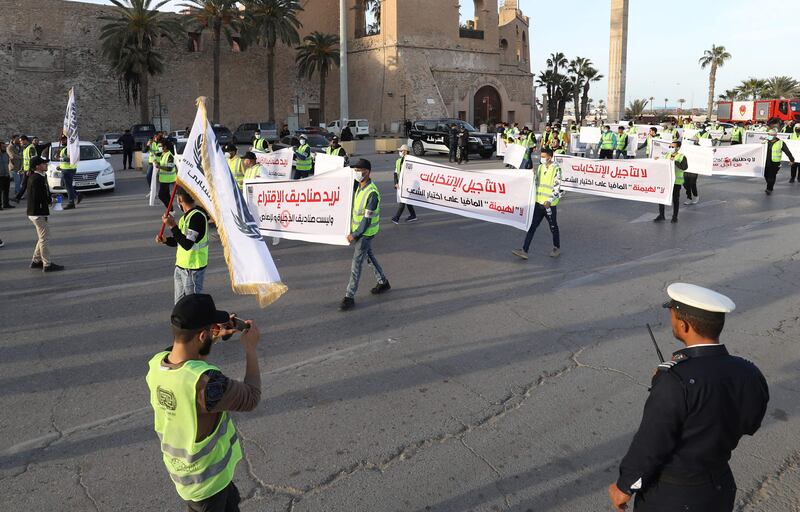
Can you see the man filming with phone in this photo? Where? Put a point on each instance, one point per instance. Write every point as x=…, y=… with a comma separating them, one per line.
x=192, y=400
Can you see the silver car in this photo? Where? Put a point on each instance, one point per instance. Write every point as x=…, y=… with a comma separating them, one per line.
x=109, y=143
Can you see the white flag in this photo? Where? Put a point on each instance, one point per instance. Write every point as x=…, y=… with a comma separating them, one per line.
x=250, y=264
x=191, y=175
x=70, y=129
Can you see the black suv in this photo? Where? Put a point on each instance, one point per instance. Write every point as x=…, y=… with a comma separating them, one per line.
x=142, y=133
x=434, y=135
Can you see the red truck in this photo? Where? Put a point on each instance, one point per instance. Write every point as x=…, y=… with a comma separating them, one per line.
x=758, y=110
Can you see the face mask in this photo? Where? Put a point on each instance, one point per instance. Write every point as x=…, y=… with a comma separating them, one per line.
x=358, y=176
x=773, y=137
x=671, y=151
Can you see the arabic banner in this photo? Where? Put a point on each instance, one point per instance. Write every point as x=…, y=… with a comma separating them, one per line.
x=590, y=135
x=502, y=196
x=751, y=137
x=315, y=209
x=794, y=149
x=515, y=154
x=645, y=180
x=741, y=160
x=659, y=147
x=276, y=165
x=324, y=163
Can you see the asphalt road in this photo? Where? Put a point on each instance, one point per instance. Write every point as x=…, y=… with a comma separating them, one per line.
x=480, y=382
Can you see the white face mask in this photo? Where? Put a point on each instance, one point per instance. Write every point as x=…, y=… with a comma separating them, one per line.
x=672, y=151
x=402, y=153
x=358, y=176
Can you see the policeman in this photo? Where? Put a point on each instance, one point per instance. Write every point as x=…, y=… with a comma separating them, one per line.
x=622, y=143
x=737, y=134
x=548, y=195
x=335, y=149
x=775, y=147
x=192, y=400
x=681, y=164
x=452, y=142
x=68, y=171
x=235, y=164
x=795, y=166
x=398, y=168
x=260, y=144
x=608, y=142
x=701, y=403
x=190, y=236
x=303, y=163
x=364, y=226
x=28, y=152
x=167, y=173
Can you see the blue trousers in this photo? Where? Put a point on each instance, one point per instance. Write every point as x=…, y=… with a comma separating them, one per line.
x=363, y=250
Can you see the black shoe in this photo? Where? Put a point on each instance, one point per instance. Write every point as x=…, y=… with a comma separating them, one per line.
x=80, y=198
x=53, y=268
x=37, y=264
x=7, y=206
x=347, y=304
x=395, y=220
x=2, y=243
x=791, y=180
x=768, y=192
x=381, y=287
x=16, y=200
x=412, y=218
x=674, y=220
x=660, y=218
x=69, y=206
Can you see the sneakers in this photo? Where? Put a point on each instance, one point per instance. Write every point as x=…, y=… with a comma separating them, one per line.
x=347, y=304
x=275, y=240
x=395, y=220
x=520, y=253
x=689, y=201
x=674, y=220
x=555, y=253
x=37, y=264
x=69, y=206
x=53, y=268
x=696, y=200
x=412, y=218
x=660, y=218
x=381, y=287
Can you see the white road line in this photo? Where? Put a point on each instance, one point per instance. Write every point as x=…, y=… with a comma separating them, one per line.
x=55, y=437
x=610, y=270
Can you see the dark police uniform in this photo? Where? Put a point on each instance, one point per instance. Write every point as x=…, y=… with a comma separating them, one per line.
x=701, y=403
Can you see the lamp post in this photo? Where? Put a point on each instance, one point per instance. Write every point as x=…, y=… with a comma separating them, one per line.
x=343, y=98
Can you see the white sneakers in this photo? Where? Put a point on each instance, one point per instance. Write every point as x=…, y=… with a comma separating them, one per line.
x=692, y=201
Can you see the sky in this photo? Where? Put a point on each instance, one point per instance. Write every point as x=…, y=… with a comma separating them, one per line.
x=665, y=41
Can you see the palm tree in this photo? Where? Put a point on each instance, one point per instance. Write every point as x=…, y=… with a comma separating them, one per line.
x=681, y=102
x=731, y=95
x=128, y=41
x=753, y=88
x=601, y=107
x=781, y=87
x=713, y=59
x=219, y=16
x=635, y=109
x=576, y=67
x=318, y=53
x=269, y=22
x=590, y=74
x=549, y=80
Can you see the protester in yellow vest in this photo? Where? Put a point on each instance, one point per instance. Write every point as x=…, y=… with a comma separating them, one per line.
x=775, y=147
x=250, y=166
x=235, y=164
x=365, y=224
x=737, y=134
x=153, y=157
x=190, y=236
x=622, y=143
x=398, y=169
x=303, y=163
x=192, y=402
x=335, y=149
x=260, y=144
x=795, y=166
x=167, y=172
x=28, y=152
x=548, y=195
x=608, y=141
x=681, y=164
x=68, y=171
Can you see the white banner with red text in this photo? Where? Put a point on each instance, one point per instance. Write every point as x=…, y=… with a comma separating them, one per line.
x=754, y=137
x=745, y=160
x=276, y=165
x=501, y=196
x=315, y=209
x=645, y=180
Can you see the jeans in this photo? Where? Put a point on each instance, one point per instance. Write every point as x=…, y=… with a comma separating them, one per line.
x=363, y=249
x=188, y=282
x=23, y=186
x=67, y=177
x=452, y=156
x=794, y=170
x=676, y=202
x=540, y=213
x=5, y=184
x=17, y=181
x=622, y=154
x=690, y=184
x=41, y=253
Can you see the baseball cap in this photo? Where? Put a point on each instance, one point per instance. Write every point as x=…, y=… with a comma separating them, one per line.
x=196, y=311
x=249, y=156
x=38, y=160
x=361, y=163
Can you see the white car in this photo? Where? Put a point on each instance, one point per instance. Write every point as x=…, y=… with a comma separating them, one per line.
x=94, y=171
x=109, y=142
x=359, y=127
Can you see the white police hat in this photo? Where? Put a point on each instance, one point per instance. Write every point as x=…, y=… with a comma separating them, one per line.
x=698, y=299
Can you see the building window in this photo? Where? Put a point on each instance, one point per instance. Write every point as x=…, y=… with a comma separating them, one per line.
x=194, y=42
x=503, y=44
x=367, y=18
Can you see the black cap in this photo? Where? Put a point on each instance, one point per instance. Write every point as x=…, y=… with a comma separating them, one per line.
x=38, y=160
x=196, y=311
x=230, y=147
x=361, y=163
x=334, y=139
x=249, y=156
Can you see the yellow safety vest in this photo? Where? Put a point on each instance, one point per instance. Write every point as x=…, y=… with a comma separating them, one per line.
x=154, y=153
x=677, y=157
x=304, y=164
x=28, y=153
x=253, y=172
x=360, y=207
x=736, y=135
x=398, y=166
x=260, y=144
x=622, y=141
x=777, y=149
x=196, y=257
x=170, y=174
x=545, y=182
x=334, y=151
x=64, y=157
x=607, y=141
x=235, y=164
x=199, y=469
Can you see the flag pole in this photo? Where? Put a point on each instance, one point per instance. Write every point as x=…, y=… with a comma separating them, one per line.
x=169, y=209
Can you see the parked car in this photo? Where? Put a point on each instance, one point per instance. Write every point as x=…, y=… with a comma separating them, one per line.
x=244, y=133
x=359, y=127
x=94, y=171
x=141, y=134
x=223, y=134
x=434, y=135
x=316, y=142
x=109, y=143
x=178, y=134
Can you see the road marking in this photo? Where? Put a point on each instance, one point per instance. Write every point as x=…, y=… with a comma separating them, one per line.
x=610, y=270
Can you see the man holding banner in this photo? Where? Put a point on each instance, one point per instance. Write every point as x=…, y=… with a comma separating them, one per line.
x=364, y=225
x=775, y=147
x=398, y=168
x=681, y=164
x=795, y=166
x=548, y=195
